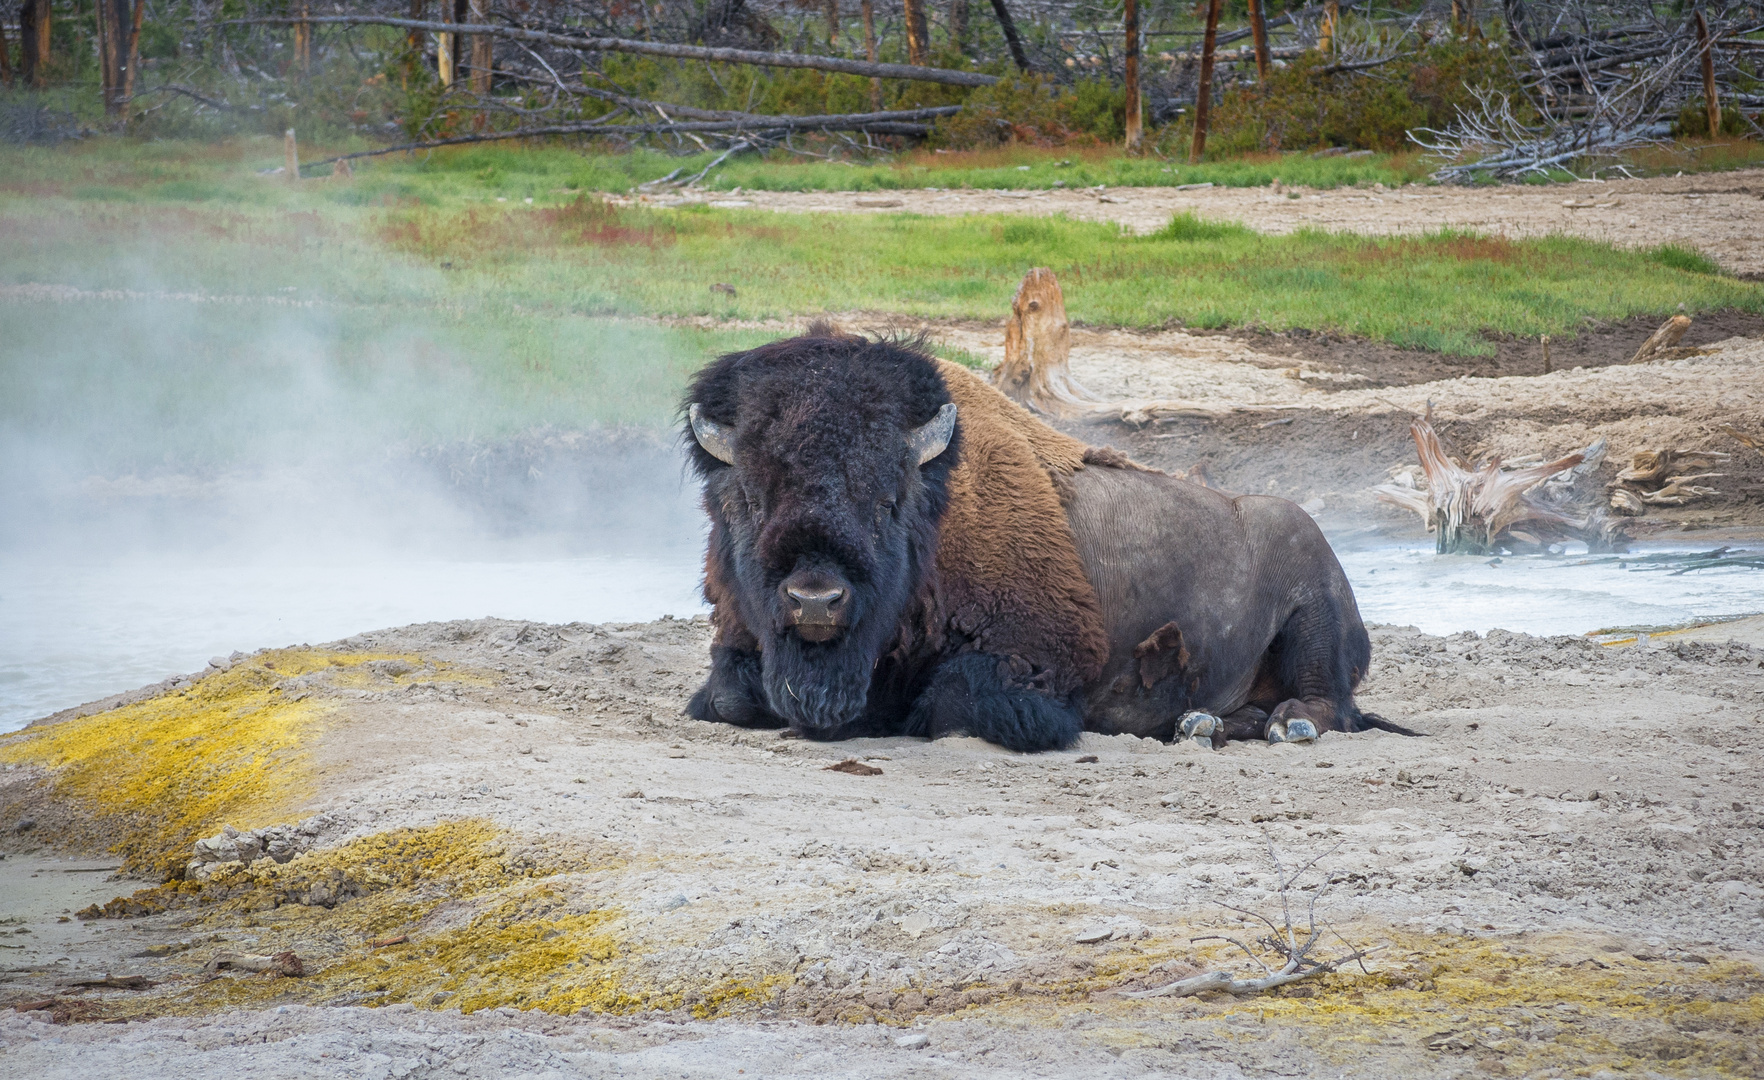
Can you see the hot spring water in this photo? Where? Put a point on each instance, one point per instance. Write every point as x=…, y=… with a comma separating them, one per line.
x=72, y=632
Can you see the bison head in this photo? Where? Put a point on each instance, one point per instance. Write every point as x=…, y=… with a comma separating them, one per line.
x=825, y=460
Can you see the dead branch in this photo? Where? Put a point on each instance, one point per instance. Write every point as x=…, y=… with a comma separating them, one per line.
x=1593, y=91
x=911, y=72
x=1282, y=940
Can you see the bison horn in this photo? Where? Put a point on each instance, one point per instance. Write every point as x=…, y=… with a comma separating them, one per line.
x=931, y=439
x=716, y=439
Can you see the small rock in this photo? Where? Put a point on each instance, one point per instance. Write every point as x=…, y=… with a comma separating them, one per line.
x=918, y=1040
x=1094, y=935
x=854, y=767
x=632, y=794
x=25, y=825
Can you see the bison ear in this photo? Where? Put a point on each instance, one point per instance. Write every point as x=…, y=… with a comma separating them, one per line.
x=931, y=439
x=716, y=439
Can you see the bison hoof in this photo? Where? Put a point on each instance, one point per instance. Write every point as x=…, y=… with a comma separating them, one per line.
x=1199, y=727
x=1297, y=730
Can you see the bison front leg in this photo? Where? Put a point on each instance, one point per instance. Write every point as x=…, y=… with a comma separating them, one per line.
x=987, y=697
x=733, y=694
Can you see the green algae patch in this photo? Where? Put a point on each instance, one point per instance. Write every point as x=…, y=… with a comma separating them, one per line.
x=151, y=778
x=1559, y=1004
x=460, y=914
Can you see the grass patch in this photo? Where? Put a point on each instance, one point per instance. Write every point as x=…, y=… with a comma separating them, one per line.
x=488, y=313
x=1679, y=257
x=176, y=170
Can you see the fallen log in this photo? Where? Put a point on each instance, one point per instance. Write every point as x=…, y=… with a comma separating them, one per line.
x=882, y=123
x=1491, y=509
x=909, y=72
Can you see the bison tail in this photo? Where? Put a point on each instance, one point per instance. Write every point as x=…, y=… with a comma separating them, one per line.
x=1373, y=720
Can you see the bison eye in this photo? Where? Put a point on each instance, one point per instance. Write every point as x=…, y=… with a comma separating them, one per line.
x=884, y=510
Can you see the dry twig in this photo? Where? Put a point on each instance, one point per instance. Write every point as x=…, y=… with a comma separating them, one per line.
x=1282, y=939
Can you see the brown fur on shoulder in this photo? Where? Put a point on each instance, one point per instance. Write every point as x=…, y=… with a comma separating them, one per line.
x=1009, y=574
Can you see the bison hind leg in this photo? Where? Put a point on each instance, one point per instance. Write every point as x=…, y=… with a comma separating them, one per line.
x=970, y=695
x=734, y=693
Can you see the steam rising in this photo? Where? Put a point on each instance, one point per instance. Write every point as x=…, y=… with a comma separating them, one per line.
x=181, y=477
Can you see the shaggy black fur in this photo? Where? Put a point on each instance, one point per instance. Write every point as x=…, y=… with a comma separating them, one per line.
x=824, y=482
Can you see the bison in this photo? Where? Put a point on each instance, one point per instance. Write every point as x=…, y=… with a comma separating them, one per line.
x=898, y=549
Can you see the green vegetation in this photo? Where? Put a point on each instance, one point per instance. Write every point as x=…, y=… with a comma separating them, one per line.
x=1304, y=104
x=427, y=252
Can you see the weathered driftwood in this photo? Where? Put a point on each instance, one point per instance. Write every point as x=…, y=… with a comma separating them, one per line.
x=1669, y=334
x=1494, y=507
x=1037, y=374
x=285, y=964
x=1664, y=478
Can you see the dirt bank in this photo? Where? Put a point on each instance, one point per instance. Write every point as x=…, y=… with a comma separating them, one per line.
x=1566, y=875
x=1330, y=432
x=1719, y=214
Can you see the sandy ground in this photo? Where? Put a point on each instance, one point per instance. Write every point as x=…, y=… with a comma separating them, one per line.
x=1565, y=876
x=1720, y=214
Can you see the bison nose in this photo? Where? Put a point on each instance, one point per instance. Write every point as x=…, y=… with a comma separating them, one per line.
x=815, y=606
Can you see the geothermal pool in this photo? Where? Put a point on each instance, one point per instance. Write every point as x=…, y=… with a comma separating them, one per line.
x=71, y=631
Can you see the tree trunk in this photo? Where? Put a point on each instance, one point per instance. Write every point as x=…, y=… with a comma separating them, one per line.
x=1038, y=345
x=132, y=54
x=1135, y=119
x=5, y=56
x=869, y=14
x=115, y=20
x=445, y=44
x=302, y=37
x=832, y=8
x=918, y=32
x=1009, y=26
x=413, y=40
x=1711, y=98
x=291, y=157
x=958, y=24
x=1331, y=19
x=33, y=34
x=1518, y=22
x=483, y=49
x=1259, y=28
x=1203, y=98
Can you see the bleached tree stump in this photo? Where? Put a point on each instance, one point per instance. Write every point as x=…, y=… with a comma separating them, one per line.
x=1669, y=334
x=1490, y=508
x=1036, y=372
